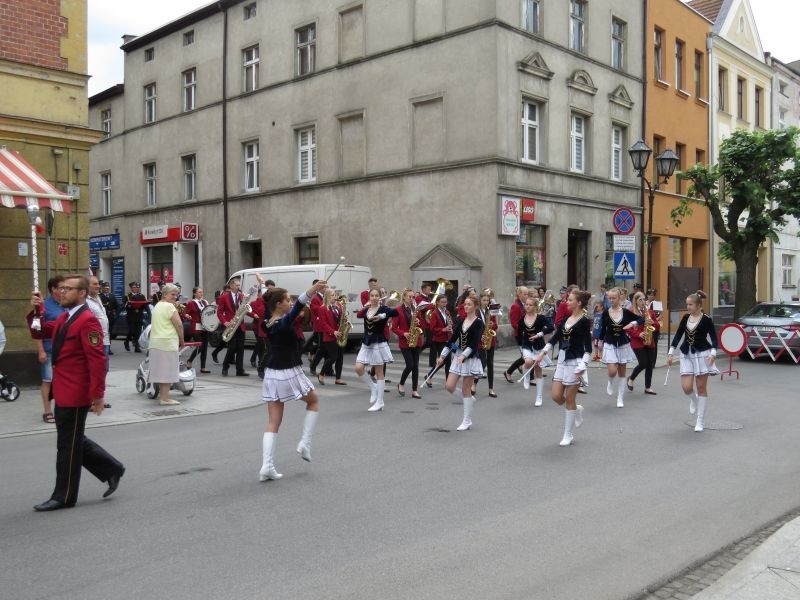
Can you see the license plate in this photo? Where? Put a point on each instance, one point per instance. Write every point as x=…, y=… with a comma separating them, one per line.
x=766, y=329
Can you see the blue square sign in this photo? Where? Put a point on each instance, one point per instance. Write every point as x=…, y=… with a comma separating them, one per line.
x=624, y=265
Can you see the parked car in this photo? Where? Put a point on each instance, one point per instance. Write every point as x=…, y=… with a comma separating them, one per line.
x=777, y=323
x=119, y=328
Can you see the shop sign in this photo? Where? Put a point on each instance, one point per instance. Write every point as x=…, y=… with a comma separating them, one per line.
x=160, y=234
x=509, y=215
x=154, y=232
x=104, y=242
x=528, y=214
x=190, y=232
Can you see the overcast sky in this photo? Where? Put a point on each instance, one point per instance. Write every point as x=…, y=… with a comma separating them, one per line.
x=109, y=20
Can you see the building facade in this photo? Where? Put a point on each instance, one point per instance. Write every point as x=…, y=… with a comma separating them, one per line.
x=44, y=117
x=485, y=140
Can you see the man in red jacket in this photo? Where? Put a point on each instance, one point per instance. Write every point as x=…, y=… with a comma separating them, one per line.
x=79, y=381
x=227, y=305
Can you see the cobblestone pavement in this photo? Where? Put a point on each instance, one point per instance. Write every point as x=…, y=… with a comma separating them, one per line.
x=707, y=571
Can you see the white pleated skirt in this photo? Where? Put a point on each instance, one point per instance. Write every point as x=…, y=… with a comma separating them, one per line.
x=375, y=354
x=565, y=371
x=282, y=385
x=471, y=367
x=620, y=355
x=697, y=364
x=532, y=354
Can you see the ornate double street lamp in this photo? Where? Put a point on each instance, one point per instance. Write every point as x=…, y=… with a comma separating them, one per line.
x=665, y=168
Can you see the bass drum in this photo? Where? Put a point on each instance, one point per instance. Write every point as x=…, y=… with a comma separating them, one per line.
x=209, y=319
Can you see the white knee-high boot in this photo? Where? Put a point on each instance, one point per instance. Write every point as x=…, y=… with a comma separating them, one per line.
x=579, y=416
x=304, y=447
x=373, y=388
x=539, y=391
x=526, y=382
x=268, y=468
x=569, y=425
x=692, y=403
x=610, y=386
x=621, y=383
x=466, y=423
x=701, y=413
x=379, y=387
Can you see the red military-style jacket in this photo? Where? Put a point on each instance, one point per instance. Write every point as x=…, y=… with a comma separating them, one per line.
x=258, y=310
x=79, y=370
x=327, y=323
x=226, y=309
x=194, y=314
x=401, y=324
x=515, y=314
x=437, y=326
x=315, y=307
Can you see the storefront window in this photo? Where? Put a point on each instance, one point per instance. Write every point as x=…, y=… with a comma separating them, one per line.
x=531, y=259
x=675, y=256
x=727, y=283
x=159, y=267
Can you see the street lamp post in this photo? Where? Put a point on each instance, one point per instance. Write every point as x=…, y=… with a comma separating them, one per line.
x=665, y=168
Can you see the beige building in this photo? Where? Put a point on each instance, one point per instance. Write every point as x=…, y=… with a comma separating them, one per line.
x=481, y=140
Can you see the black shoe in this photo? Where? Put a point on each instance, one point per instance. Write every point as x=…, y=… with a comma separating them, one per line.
x=52, y=505
x=214, y=358
x=137, y=349
x=507, y=375
x=242, y=374
x=110, y=353
x=261, y=373
x=253, y=363
x=113, y=483
x=127, y=346
x=224, y=372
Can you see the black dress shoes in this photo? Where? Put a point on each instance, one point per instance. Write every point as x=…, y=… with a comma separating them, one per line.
x=52, y=505
x=127, y=346
x=224, y=372
x=113, y=483
x=242, y=374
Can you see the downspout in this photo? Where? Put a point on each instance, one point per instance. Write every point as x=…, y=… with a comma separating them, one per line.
x=224, y=161
x=713, y=100
x=645, y=37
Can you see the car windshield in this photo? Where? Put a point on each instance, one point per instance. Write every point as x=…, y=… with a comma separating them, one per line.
x=775, y=310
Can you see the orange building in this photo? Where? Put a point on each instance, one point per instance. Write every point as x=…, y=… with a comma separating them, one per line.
x=676, y=117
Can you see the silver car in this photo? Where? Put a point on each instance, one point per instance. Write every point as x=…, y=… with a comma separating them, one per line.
x=774, y=326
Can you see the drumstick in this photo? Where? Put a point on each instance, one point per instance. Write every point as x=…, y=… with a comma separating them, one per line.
x=432, y=373
x=526, y=373
x=667, y=377
x=341, y=260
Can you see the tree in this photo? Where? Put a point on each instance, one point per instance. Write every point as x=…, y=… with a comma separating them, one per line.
x=751, y=193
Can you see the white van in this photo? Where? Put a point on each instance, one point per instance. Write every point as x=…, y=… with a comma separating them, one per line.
x=349, y=280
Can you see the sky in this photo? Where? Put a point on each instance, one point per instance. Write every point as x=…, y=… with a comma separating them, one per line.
x=109, y=20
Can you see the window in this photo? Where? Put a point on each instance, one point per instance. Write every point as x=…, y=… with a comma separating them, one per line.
x=307, y=250
x=722, y=88
x=674, y=252
x=251, y=166
x=679, y=46
x=531, y=255
x=249, y=11
x=680, y=150
x=617, y=44
x=658, y=54
x=617, y=154
x=530, y=131
x=699, y=157
x=577, y=138
x=781, y=118
x=306, y=155
x=189, y=164
x=250, y=62
x=577, y=25
x=105, y=192
x=782, y=86
x=150, y=184
x=189, y=89
x=740, y=99
x=306, y=43
x=787, y=271
x=188, y=37
x=150, y=103
x=149, y=54
x=698, y=74
x=658, y=147
x=530, y=15
x=105, y=122
x=759, y=98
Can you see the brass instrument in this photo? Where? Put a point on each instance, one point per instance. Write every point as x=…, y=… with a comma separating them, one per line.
x=344, y=323
x=649, y=328
x=442, y=286
x=414, y=330
x=241, y=311
x=488, y=332
x=392, y=300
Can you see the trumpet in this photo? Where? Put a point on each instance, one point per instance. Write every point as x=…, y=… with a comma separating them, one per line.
x=442, y=286
x=392, y=299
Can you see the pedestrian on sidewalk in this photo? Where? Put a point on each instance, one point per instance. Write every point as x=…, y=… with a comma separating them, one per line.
x=698, y=353
x=79, y=379
x=617, y=352
x=284, y=379
x=574, y=336
x=51, y=306
x=166, y=340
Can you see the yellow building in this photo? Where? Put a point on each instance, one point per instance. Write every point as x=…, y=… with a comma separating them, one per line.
x=676, y=117
x=43, y=117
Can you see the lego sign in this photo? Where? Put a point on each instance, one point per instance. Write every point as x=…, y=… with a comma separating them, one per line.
x=528, y=214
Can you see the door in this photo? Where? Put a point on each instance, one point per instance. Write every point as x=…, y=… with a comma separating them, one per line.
x=578, y=258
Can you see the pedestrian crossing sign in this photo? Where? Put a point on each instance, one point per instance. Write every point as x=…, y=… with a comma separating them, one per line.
x=624, y=265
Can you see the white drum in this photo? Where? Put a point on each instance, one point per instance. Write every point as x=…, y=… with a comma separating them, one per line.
x=209, y=319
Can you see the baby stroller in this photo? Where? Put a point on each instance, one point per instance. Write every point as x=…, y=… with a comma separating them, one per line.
x=9, y=391
x=186, y=376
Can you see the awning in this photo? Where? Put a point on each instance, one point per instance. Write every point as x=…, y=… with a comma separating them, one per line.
x=21, y=185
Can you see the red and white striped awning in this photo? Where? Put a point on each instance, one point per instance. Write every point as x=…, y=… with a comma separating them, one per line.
x=21, y=185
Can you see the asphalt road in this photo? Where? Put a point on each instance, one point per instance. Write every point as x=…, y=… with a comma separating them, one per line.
x=400, y=505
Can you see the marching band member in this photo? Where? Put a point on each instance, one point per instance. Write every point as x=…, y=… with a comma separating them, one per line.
x=574, y=335
x=194, y=314
x=328, y=316
x=423, y=301
x=467, y=363
x=441, y=325
x=401, y=327
x=515, y=313
x=617, y=351
x=227, y=305
x=284, y=379
x=532, y=328
x=317, y=303
x=645, y=352
x=487, y=354
x=698, y=352
x=374, y=348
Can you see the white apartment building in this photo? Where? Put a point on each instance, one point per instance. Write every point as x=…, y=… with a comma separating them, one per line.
x=481, y=140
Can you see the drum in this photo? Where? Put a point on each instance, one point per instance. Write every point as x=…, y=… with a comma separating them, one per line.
x=209, y=319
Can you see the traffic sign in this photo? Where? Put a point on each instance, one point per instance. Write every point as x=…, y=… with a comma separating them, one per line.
x=624, y=243
x=624, y=265
x=624, y=221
